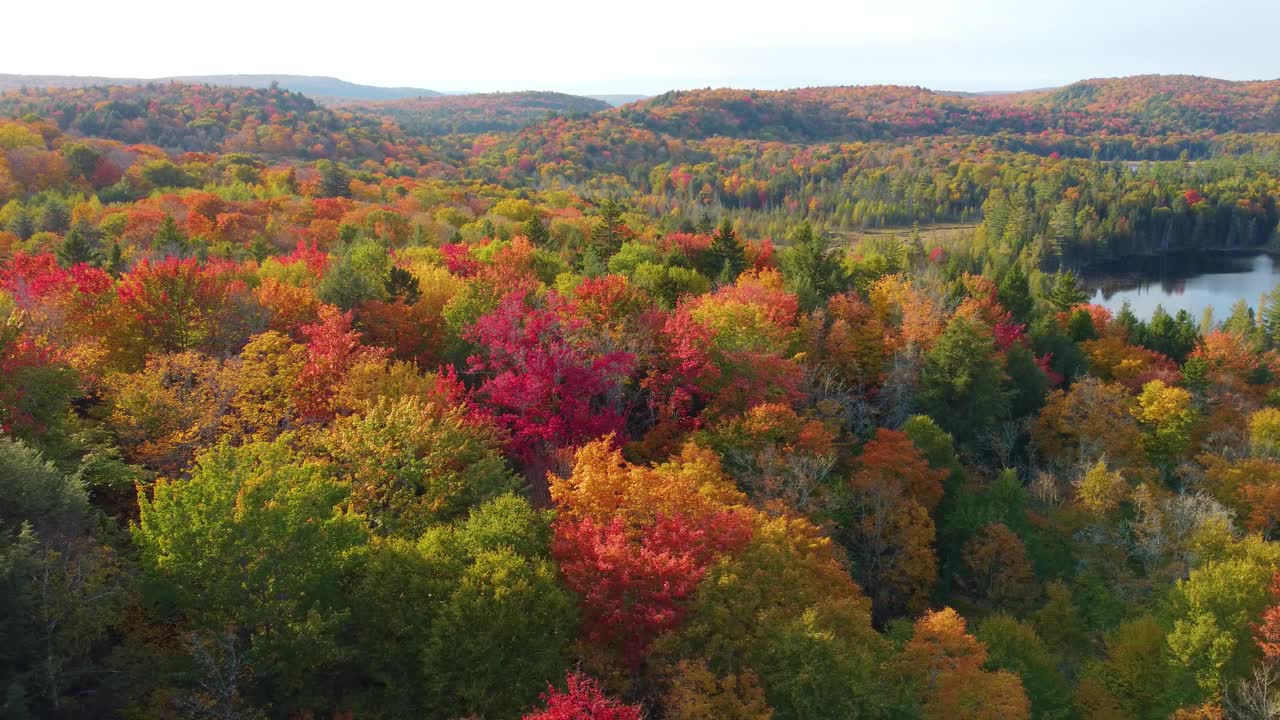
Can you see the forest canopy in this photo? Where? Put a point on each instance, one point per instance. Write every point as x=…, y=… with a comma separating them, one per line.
x=522, y=406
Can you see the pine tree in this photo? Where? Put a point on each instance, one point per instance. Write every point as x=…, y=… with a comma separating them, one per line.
x=1130, y=322
x=607, y=235
x=400, y=284
x=334, y=180
x=1015, y=293
x=22, y=225
x=809, y=268
x=115, y=259
x=962, y=381
x=536, y=231
x=261, y=248
x=727, y=253
x=170, y=238
x=705, y=224
x=78, y=247
x=1066, y=292
x=1271, y=316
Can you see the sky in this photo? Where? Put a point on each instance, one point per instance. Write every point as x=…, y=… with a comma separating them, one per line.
x=599, y=46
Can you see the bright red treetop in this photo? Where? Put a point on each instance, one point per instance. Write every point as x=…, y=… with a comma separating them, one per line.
x=584, y=700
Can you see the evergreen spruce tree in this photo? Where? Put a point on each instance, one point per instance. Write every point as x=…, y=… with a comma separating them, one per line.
x=1270, y=313
x=77, y=247
x=334, y=179
x=705, y=224
x=1066, y=292
x=607, y=235
x=169, y=237
x=115, y=259
x=809, y=268
x=727, y=253
x=1243, y=322
x=22, y=225
x=536, y=231
x=400, y=284
x=1130, y=322
x=261, y=248
x=1015, y=293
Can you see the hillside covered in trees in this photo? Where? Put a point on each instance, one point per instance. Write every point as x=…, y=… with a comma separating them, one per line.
x=554, y=413
x=481, y=112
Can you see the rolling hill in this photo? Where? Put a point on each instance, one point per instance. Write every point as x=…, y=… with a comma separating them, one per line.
x=1132, y=105
x=489, y=112
x=313, y=85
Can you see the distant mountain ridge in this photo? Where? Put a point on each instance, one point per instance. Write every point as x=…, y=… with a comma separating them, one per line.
x=480, y=112
x=317, y=86
x=1142, y=104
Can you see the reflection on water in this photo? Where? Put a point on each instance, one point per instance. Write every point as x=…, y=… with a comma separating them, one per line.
x=1190, y=283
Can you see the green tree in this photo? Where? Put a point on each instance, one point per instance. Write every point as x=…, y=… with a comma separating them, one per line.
x=1214, y=611
x=1066, y=292
x=335, y=181
x=412, y=465
x=609, y=232
x=61, y=587
x=169, y=238
x=82, y=159
x=536, y=231
x=253, y=543
x=470, y=620
x=727, y=255
x=78, y=247
x=962, y=381
x=1271, y=316
x=1015, y=293
x=810, y=269
x=1013, y=645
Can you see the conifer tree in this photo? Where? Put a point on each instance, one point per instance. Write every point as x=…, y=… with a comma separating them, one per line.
x=811, y=272
x=77, y=248
x=727, y=254
x=536, y=231
x=1066, y=292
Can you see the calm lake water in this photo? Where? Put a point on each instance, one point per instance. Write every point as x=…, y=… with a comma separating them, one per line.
x=1187, y=282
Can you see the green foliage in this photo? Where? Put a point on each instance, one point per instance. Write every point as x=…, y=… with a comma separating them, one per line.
x=254, y=542
x=471, y=619
x=962, y=382
x=1066, y=293
x=411, y=466
x=811, y=271
x=728, y=259
x=1013, y=645
x=1213, y=612
x=61, y=588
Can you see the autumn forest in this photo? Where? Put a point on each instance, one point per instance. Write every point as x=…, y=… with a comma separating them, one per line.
x=526, y=406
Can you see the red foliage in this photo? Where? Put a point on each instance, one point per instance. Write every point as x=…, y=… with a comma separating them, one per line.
x=683, y=377
x=633, y=590
x=1267, y=633
x=316, y=259
x=332, y=348
x=542, y=380
x=177, y=305
x=31, y=278
x=457, y=258
x=584, y=700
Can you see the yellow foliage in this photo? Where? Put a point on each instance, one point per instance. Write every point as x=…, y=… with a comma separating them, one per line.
x=696, y=693
x=1101, y=490
x=1264, y=432
x=602, y=485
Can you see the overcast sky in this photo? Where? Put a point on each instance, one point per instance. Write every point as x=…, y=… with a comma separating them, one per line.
x=607, y=46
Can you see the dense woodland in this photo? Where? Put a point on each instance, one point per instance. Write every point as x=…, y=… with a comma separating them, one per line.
x=482, y=409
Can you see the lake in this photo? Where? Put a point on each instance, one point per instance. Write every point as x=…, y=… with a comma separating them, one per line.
x=1183, y=282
